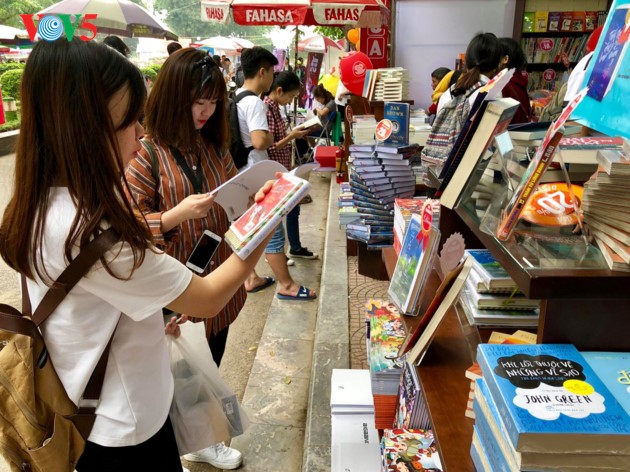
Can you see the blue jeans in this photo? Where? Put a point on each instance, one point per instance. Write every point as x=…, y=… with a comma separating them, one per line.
x=293, y=229
x=276, y=243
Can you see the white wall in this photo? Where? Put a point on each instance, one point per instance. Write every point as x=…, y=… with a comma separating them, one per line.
x=432, y=33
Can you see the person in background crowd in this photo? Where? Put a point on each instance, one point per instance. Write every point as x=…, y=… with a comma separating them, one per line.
x=483, y=56
x=116, y=43
x=287, y=67
x=516, y=88
x=172, y=47
x=285, y=88
x=217, y=60
x=327, y=113
x=186, y=128
x=228, y=68
x=53, y=215
x=439, y=86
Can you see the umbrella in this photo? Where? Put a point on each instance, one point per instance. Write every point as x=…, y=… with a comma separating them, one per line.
x=317, y=43
x=10, y=33
x=119, y=17
x=223, y=43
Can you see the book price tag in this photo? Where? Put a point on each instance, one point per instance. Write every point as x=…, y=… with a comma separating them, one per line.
x=383, y=130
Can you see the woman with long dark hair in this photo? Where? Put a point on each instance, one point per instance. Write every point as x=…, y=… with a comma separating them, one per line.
x=80, y=107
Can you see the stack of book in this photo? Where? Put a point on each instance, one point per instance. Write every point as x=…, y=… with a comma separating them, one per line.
x=607, y=207
x=411, y=411
x=363, y=127
x=378, y=175
x=386, y=336
x=409, y=449
x=403, y=209
x=491, y=298
x=355, y=442
x=387, y=84
x=543, y=407
x=474, y=371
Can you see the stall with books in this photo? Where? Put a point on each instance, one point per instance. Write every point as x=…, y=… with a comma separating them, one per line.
x=556, y=404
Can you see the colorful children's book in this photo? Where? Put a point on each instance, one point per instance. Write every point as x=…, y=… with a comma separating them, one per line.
x=551, y=401
x=529, y=19
x=566, y=20
x=248, y=231
x=554, y=21
x=613, y=368
x=578, y=23
x=410, y=399
x=398, y=114
x=414, y=263
x=540, y=21
x=415, y=447
x=590, y=21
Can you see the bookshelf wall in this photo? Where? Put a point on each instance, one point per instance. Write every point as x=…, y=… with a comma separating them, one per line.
x=543, y=48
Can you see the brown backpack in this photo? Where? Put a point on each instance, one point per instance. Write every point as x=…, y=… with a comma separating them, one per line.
x=40, y=428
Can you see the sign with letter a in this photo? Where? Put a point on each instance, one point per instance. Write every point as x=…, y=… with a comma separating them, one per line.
x=374, y=45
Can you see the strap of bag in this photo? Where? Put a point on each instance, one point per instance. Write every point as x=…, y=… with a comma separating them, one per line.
x=73, y=273
x=195, y=177
x=238, y=98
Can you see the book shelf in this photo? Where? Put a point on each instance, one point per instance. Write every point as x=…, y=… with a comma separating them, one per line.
x=543, y=48
x=584, y=306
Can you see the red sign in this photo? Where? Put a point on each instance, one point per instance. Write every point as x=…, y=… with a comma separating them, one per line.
x=269, y=15
x=546, y=44
x=383, y=130
x=374, y=44
x=549, y=75
x=313, y=66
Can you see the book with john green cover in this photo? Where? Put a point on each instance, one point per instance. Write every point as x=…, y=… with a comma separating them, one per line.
x=551, y=400
x=398, y=114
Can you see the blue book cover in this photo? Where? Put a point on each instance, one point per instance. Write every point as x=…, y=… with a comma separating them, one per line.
x=398, y=114
x=551, y=401
x=613, y=368
x=605, y=106
x=409, y=260
x=478, y=453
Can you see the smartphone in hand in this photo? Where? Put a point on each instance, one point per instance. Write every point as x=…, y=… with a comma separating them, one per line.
x=203, y=251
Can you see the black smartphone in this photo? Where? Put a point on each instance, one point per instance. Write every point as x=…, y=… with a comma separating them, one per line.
x=203, y=251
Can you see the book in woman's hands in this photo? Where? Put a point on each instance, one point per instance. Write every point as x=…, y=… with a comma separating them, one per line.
x=314, y=121
x=247, y=232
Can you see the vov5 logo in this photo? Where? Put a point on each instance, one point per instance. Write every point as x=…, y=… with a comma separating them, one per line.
x=51, y=27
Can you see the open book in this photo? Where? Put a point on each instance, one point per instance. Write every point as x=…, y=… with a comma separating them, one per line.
x=234, y=195
x=314, y=121
x=247, y=232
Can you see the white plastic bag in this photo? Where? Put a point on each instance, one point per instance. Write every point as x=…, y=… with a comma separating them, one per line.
x=205, y=410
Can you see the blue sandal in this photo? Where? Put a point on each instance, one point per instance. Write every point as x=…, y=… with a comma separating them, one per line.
x=269, y=281
x=303, y=294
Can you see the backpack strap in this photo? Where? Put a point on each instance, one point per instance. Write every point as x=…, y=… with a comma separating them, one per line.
x=73, y=273
x=155, y=172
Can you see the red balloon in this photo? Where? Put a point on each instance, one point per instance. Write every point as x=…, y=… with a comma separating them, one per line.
x=352, y=68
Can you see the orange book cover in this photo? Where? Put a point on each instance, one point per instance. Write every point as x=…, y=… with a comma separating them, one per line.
x=566, y=19
x=578, y=22
x=590, y=22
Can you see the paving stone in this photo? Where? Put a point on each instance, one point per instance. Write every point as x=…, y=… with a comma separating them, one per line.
x=280, y=401
x=282, y=357
x=317, y=459
x=270, y=448
x=292, y=321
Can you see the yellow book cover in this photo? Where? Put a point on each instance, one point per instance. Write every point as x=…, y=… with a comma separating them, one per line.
x=540, y=21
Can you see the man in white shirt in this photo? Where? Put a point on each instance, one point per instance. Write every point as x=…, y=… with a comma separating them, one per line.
x=258, y=64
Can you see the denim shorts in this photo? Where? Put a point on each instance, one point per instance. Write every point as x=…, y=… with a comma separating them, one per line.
x=276, y=243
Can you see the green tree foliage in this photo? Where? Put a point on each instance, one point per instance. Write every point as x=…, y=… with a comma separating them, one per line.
x=10, y=10
x=150, y=72
x=333, y=32
x=10, y=83
x=5, y=66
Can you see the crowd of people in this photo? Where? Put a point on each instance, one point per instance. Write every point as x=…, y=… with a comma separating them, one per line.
x=115, y=173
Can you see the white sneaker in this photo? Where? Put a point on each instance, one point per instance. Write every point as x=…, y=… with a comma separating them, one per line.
x=219, y=456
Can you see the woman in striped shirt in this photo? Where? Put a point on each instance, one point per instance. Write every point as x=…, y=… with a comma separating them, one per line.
x=184, y=156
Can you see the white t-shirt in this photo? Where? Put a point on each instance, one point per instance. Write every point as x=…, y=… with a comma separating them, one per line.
x=252, y=116
x=138, y=385
x=341, y=99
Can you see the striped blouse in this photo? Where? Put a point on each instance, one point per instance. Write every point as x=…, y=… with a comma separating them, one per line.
x=174, y=186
